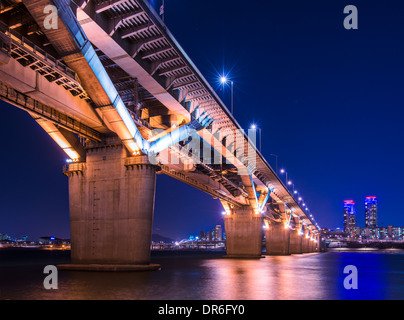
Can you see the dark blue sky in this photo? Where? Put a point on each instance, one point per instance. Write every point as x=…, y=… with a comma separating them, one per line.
x=329, y=102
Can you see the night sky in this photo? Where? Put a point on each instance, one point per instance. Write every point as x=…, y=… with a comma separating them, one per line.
x=329, y=102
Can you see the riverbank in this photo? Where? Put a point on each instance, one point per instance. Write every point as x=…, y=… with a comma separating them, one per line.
x=366, y=250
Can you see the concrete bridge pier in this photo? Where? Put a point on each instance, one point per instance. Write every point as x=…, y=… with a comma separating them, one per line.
x=243, y=233
x=296, y=242
x=312, y=245
x=318, y=238
x=277, y=239
x=111, y=200
x=305, y=242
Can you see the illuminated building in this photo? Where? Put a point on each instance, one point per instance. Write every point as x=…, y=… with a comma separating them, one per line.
x=218, y=233
x=371, y=212
x=349, y=216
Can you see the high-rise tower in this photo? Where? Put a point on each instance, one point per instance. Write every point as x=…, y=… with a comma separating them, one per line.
x=371, y=212
x=349, y=216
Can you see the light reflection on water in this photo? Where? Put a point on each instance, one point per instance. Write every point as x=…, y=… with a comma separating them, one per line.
x=190, y=276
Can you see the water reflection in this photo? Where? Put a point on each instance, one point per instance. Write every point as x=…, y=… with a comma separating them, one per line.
x=211, y=277
x=284, y=277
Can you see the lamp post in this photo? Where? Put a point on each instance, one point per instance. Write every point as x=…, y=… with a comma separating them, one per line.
x=283, y=171
x=224, y=81
x=254, y=127
x=290, y=183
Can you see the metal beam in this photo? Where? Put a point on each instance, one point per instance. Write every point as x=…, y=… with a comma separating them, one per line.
x=205, y=187
x=135, y=30
x=139, y=45
x=172, y=69
x=155, y=52
x=56, y=117
x=157, y=64
x=118, y=20
x=105, y=5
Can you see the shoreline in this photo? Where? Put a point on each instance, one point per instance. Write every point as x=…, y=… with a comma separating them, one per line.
x=365, y=250
x=184, y=252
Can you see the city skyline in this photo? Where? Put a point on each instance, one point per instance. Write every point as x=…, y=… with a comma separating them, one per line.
x=371, y=229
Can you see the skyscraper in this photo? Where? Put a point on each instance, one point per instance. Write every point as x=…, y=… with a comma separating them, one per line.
x=218, y=233
x=371, y=212
x=349, y=216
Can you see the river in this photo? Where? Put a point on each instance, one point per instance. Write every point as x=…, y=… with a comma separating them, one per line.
x=208, y=276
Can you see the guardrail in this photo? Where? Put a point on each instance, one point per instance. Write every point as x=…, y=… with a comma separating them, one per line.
x=29, y=104
x=30, y=55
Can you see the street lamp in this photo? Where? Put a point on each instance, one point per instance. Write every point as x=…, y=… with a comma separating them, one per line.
x=290, y=183
x=254, y=127
x=283, y=171
x=224, y=80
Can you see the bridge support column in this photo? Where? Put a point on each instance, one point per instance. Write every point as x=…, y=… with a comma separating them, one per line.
x=277, y=239
x=243, y=229
x=305, y=243
x=111, y=211
x=296, y=241
x=318, y=238
x=305, y=248
x=312, y=246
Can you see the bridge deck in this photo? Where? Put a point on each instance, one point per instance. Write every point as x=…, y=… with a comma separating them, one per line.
x=157, y=82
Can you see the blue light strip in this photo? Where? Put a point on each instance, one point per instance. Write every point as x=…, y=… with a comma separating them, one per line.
x=71, y=23
x=266, y=199
x=171, y=139
x=260, y=207
x=255, y=192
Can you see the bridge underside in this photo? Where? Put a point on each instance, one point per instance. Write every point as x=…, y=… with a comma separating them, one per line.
x=110, y=85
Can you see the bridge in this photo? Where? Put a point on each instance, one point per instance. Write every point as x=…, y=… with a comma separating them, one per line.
x=114, y=89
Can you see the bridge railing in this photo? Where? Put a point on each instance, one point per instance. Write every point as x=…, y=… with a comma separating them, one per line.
x=30, y=55
x=5, y=40
x=16, y=38
x=139, y=121
x=4, y=44
x=29, y=104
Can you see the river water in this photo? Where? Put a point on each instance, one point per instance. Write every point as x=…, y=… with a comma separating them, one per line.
x=207, y=276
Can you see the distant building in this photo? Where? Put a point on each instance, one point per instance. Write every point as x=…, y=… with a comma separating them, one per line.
x=213, y=235
x=4, y=236
x=52, y=240
x=371, y=212
x=349, y=217
x=218, y=233
x=372, y=231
